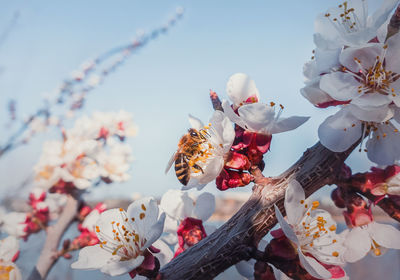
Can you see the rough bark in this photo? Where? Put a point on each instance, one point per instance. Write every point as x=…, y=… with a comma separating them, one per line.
x=234, y=241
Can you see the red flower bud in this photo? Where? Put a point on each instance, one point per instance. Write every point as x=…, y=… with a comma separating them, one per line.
x=237, y=161
x=232, y=179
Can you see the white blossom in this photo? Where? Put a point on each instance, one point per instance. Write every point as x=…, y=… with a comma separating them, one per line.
x=340, y=131
x=262, y=118
x=9, y=250
x=312, y=231
x=373, y=237
x=124, y=238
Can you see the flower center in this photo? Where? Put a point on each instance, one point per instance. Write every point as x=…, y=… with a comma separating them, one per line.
x=313, y=228
x=376, y=78
x=123, y=241
x=347, y=20
x=5, y=272
x=193, y=236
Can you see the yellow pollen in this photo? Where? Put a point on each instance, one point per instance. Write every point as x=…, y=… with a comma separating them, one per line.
x=301, y=201
x=306, y=206
x=143, y=207
x=334, y=241
x=335, y=254
x=315, y=204
x=272, y=104
x=120, y=209
x=332, y=228
x=377, y=252
x=133, y=219
x=141, y=216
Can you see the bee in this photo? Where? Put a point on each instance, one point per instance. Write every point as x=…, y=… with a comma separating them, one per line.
x=189, y=151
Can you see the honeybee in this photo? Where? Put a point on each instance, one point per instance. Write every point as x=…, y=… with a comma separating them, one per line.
x=189, y=151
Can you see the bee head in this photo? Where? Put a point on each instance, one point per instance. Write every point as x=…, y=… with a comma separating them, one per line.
x=193, y=132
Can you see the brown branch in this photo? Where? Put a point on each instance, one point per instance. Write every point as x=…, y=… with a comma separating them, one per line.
x=49, y=254
x=316, y=168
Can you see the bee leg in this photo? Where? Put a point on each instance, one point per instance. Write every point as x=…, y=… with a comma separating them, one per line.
x=198, y=168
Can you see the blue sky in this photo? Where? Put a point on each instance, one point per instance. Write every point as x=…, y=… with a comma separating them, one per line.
x=166, y=80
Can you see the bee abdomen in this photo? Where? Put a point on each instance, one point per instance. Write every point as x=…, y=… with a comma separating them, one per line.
x=182, y=169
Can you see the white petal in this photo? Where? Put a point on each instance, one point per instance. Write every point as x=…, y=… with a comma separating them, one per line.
x=396, y=87
x=337, y=132
x=384, y=150
x=155, y=232
x=228, y=111
x=313, y=267
x=385, y=235
x=371, y=100
x=177, y=204
x=149, y=207
x=205, y=206
x=170, y=238
x=15, y=274
x=246, y=268
x=108, y=216
x=115, y=267
x=367, y=54
x=240, y=87
x=165, y=254
x=378, y=114
x=286, y=228
x=286, y=124
x=314, y=94
x=383, y=12
x=222, y=129
x=294, y=209
x=211, y=171
x=397, y=115
x=195, y=123
x=170, y=224
x=91, y=257
x=392, y=56
x=358, y=244
x=340, y=86
x=326, y=59
x=8, y=248
x=394, y=190
x=257, y=115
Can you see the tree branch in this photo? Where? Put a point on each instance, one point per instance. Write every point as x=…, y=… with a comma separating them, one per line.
x=49, y=254
x=316, y=168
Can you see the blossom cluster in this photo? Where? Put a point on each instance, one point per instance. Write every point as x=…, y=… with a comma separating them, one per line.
x=234, y=140
x=43, y=208
x=89, y=152
x=355, y=68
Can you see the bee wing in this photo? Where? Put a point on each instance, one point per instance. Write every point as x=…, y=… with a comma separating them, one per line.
x=170, y=162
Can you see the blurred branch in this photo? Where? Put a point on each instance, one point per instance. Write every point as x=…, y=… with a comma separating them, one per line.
x=49, y=254
x=72, y=92
x=9, y=27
